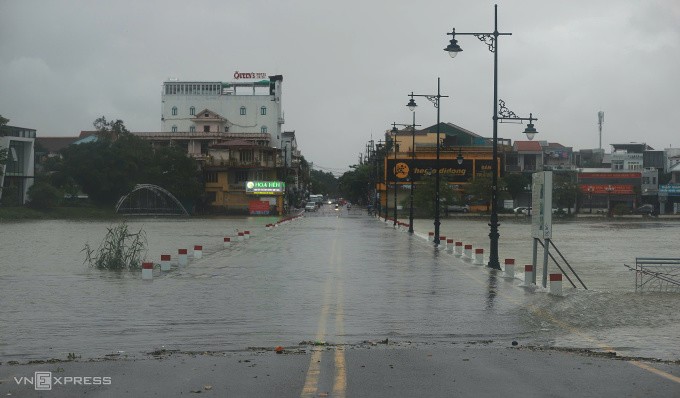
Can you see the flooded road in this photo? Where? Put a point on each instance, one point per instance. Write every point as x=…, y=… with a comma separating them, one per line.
x=336, y=277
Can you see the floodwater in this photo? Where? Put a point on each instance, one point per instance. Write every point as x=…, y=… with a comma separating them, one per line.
x=341, y=277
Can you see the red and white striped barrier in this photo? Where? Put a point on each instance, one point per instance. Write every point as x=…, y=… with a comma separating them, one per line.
x=198, y=251
x=528, y=275
x=510, y=267
x=459, y=249
x=479, y=256
x=430, y=236
x=227, y=241
x=182, y=257
x=556, y=284
x=240, y=237
x=246, y=234
x=442, y=241
x=467, y=252
x=147, y=270
x=165, y=262
x=449, y=245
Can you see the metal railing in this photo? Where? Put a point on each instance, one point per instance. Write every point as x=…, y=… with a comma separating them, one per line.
x=656, y=274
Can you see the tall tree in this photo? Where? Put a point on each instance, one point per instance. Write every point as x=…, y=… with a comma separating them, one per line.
x=515, y=183
x=354, y=184
x=480, y=188
x=565, y=190
x=323, y=183
x=110, y=167
x=424, y=195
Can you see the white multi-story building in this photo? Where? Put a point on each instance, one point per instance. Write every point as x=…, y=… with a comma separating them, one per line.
x=18, y=172
x=252, y=106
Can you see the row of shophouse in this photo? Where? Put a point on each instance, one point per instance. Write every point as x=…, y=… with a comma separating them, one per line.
x=234, y=130
x=631, y=174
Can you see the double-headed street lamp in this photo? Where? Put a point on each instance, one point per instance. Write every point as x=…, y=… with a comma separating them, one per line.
x=412, y=165
x=491, y=40
x=412, y=106
x=395, y=148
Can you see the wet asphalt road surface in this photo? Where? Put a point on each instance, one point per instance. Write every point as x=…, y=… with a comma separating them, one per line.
x=361, y=309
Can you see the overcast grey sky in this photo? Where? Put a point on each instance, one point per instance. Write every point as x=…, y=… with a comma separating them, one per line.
x=348, y=66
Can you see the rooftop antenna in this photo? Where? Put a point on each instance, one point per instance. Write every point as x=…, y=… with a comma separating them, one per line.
x=600, y=122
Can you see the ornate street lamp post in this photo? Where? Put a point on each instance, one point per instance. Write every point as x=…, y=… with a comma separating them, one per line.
x=491, y=40
x=435, y=101
x=395, y=148
x=411, y=165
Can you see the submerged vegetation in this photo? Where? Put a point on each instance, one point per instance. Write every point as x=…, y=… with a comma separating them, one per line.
x=120, y=250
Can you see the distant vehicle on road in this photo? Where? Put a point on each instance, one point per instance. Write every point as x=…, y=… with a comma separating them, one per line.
x=310, y=206
x=646, y=210
x=458, y=208
x=520, y=210
x=316, y=199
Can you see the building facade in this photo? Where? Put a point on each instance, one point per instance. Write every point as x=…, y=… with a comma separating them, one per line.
x=252, y=106
x=18, y=171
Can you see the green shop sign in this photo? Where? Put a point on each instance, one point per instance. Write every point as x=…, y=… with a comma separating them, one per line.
x=265, y=187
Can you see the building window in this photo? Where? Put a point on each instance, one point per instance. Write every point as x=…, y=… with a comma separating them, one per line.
x=192, y=129
x=246, y=155
x=206, y=129
x=174, y=129
x=174, y=111
x=211, y=176
x=243, y=110
x=263, y=110
x=241, y=175
x=263, y=129
x=192, y=111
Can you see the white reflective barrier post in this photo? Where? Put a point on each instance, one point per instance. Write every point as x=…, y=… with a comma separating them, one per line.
x=510, y=267
x=147, y=270
x=182, y=257
x=430, y=236
x=556, y=284
x=528, y=275
x=165, y=262
x=468, y=251
x=198, y=252
x=240, y=237
x=246, y=234
x=459, y=249
x=449, y=245
x=479, y=256
x=442, y=241
x=227, y=242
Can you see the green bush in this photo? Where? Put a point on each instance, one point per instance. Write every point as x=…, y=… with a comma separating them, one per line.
x=43, y=196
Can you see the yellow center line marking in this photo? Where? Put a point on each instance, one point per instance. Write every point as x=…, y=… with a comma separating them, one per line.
x=340, y=381
x=550, y=318
x=333, y=282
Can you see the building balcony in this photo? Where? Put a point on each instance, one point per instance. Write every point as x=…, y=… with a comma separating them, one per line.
x=217, y=162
